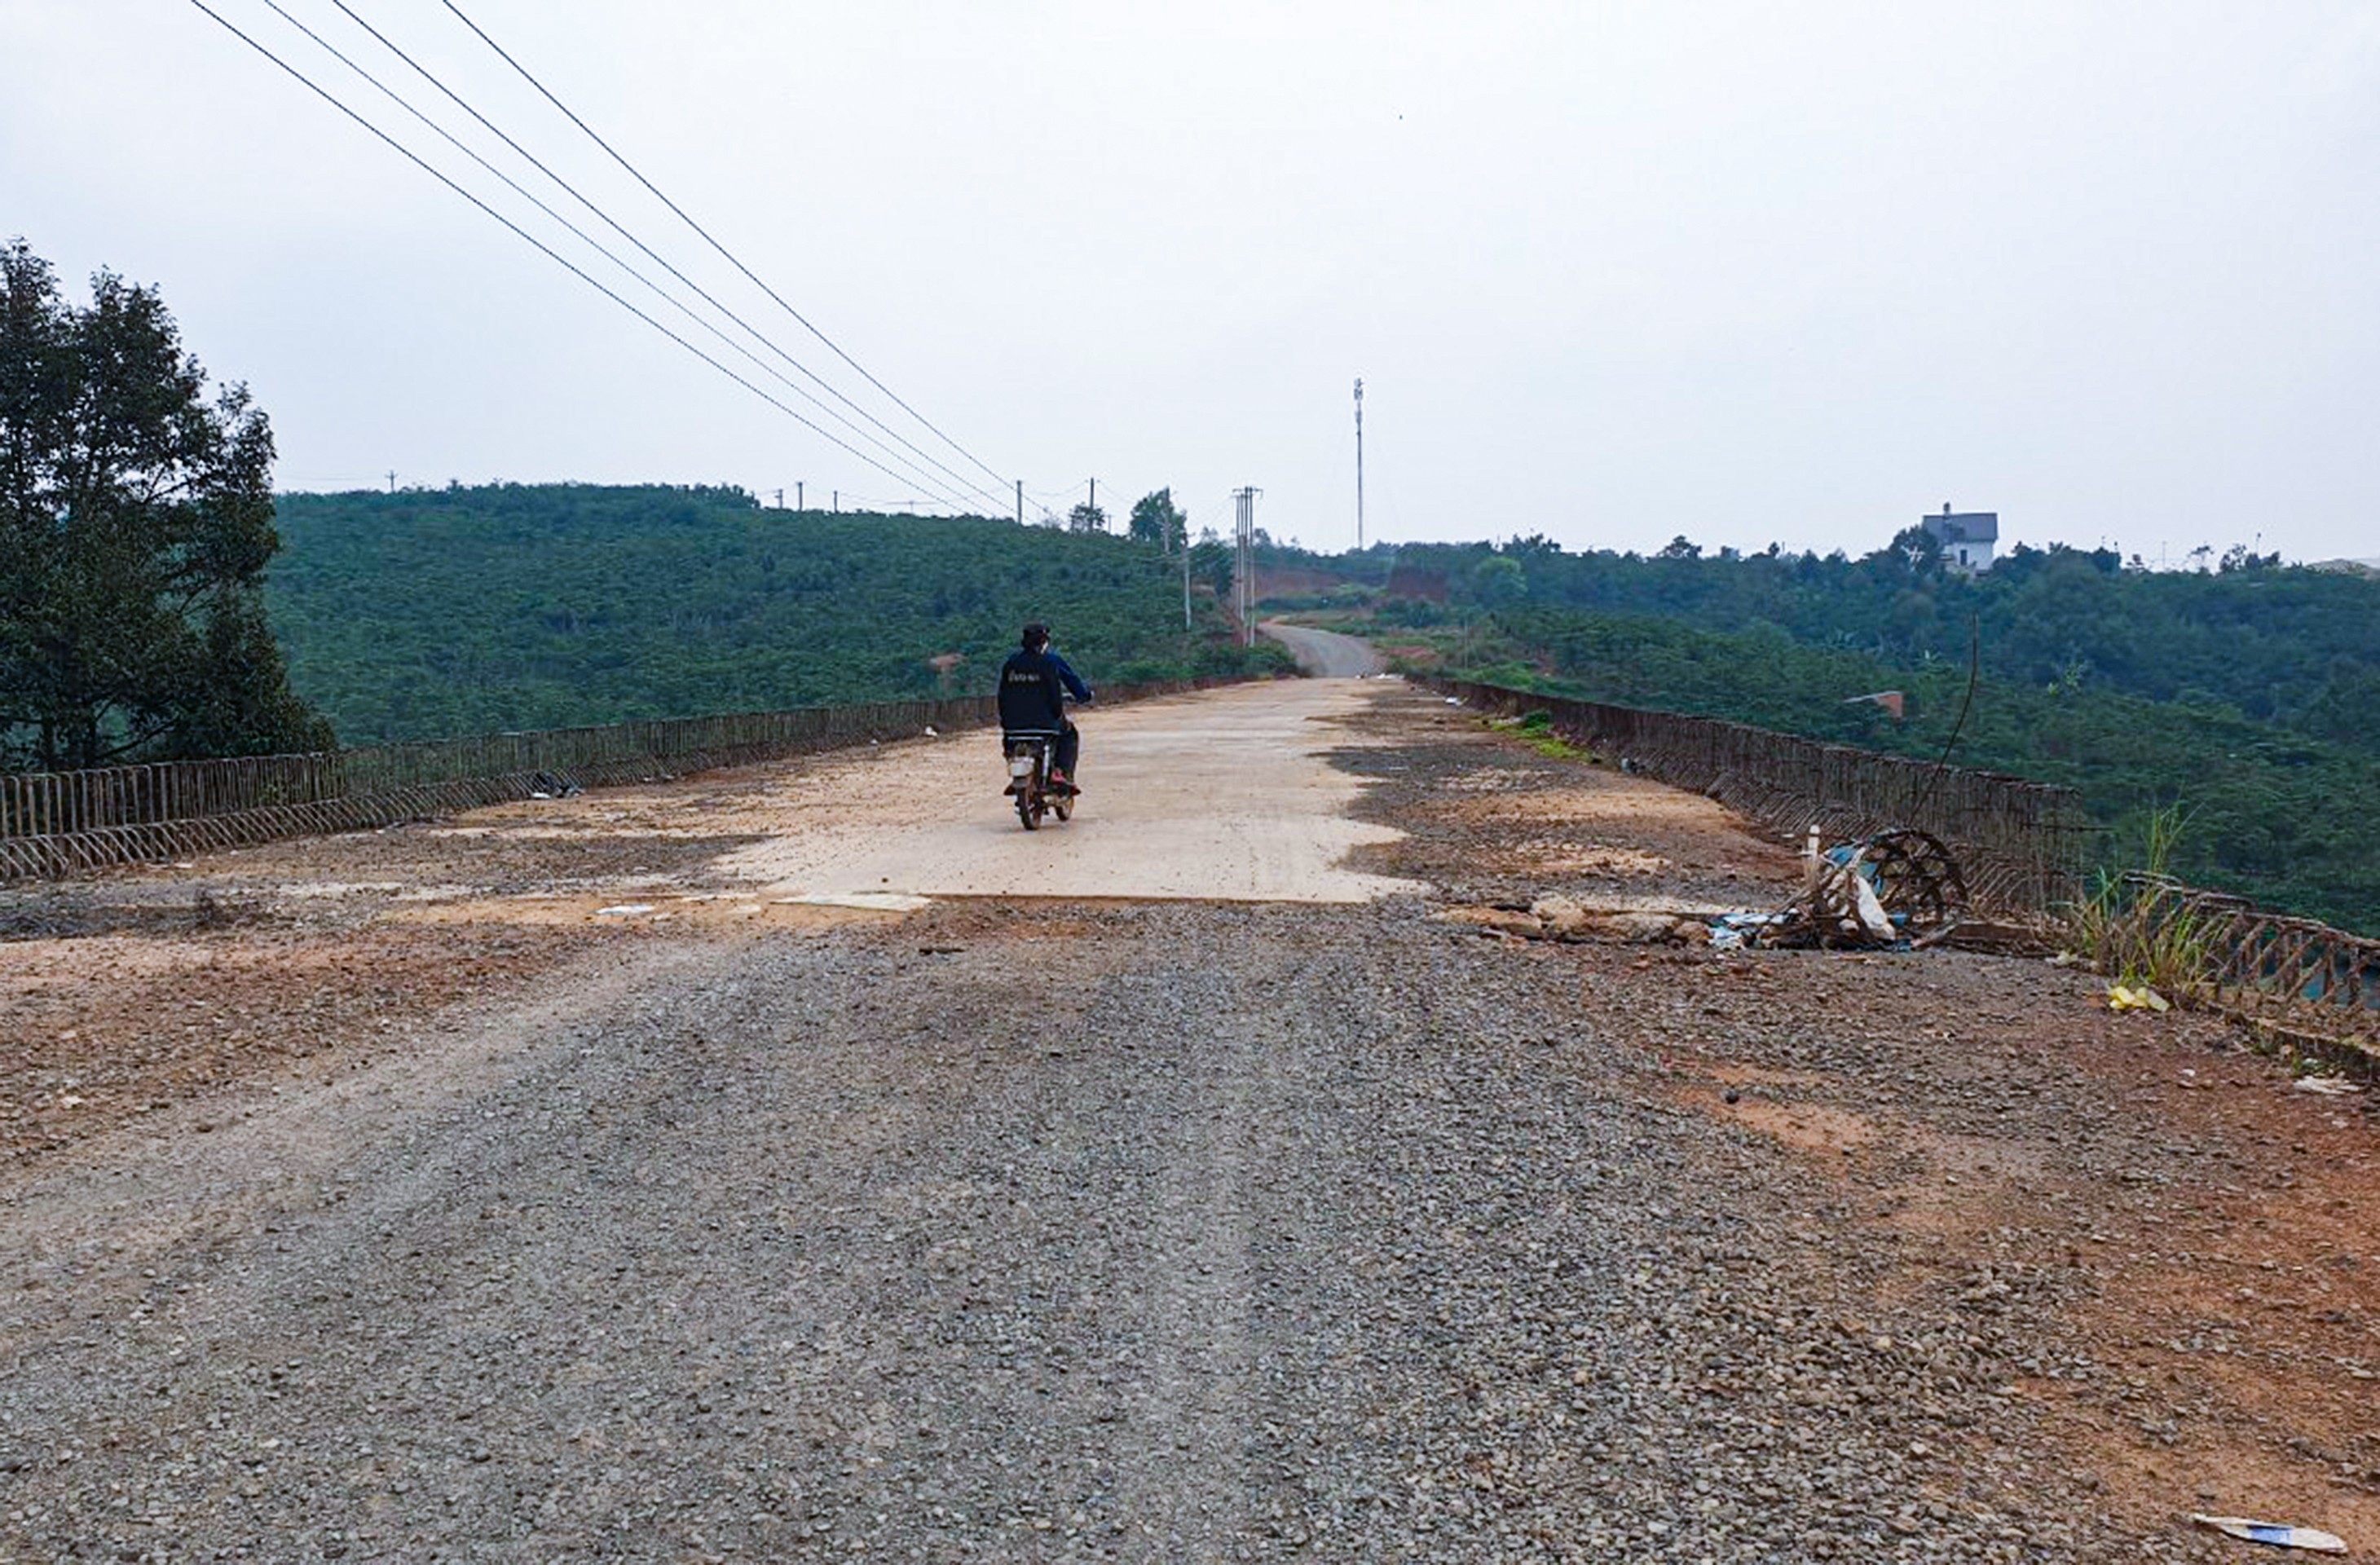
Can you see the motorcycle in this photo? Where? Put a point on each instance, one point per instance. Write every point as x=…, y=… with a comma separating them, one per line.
x=1030, y=756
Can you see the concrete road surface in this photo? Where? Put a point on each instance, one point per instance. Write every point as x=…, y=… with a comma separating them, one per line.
x=1221, y=797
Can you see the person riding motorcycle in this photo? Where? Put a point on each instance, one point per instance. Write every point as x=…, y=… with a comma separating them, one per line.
x=1034, y=684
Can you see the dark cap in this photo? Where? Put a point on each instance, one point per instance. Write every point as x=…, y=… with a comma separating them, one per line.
x=1036, y=634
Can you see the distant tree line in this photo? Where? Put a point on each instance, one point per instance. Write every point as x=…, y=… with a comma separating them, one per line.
x=2293, y=647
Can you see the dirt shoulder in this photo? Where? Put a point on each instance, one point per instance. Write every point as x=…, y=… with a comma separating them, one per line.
x=2187, y=1246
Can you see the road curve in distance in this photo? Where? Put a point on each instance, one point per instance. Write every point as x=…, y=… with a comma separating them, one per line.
x=1326, y=654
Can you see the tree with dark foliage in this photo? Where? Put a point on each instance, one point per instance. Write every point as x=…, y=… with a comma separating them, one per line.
x=1155, y=519
x=135, y=521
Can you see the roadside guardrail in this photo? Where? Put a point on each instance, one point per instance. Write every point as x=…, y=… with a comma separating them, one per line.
x=57, y=824
x=2021, y=845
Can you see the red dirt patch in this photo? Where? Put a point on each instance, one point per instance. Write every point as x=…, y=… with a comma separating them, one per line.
x=2219, y=1246
x=97, y=1032
x=1808, y=1127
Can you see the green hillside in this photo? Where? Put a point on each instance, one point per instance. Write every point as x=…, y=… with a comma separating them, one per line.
x=2272, y=814
x=433, y=612
x=2248, y=692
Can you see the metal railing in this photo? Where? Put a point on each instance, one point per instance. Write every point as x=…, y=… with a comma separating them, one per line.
x=62, y=823
x=2318, y=986
x=2020, y=843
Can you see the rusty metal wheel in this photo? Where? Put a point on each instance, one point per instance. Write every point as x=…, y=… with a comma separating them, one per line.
x=1918, y=878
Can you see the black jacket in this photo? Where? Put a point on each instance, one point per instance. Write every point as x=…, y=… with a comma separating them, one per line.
x=1033, y=687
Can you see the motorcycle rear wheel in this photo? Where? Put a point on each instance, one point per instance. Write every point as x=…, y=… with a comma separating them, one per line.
x=1029, y=810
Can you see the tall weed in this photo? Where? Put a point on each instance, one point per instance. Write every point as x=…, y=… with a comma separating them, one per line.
x=2138, y=929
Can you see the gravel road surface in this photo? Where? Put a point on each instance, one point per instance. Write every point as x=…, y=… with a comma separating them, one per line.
x=1045, y=1228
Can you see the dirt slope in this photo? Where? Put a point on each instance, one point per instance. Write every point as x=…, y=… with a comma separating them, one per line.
x=410, y=1206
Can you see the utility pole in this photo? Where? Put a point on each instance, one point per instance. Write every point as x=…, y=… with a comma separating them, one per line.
x=798, y=495
x=838, y=502
x=1359, y=464
x=391, y=481
x=1245, y=527
x=781, y=500
x=1185, y=573
x=1095, y=497
x=1020, y=503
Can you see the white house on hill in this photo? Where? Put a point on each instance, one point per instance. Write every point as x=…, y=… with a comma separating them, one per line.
x=1967, y=538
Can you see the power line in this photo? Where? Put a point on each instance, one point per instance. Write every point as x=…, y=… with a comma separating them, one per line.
x=715, y=245
x=550, y=252
x=885, y=507
x=965, y=484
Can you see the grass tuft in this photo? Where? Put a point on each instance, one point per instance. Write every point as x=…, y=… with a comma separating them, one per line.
x=2136, y=929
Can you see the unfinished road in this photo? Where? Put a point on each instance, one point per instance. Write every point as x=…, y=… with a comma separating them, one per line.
x=804, y=1163
x=1326, y=653
x=1224, y=796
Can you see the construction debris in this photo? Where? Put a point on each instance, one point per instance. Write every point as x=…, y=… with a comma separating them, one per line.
x=1899, y=889
x=1560, y=918
x=2276, y=1533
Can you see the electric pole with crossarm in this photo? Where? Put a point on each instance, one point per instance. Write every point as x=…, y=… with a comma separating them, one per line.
x=1246, y=528
x=1359, y=464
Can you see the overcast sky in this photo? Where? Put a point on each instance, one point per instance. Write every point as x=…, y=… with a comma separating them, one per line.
x=1750, y=273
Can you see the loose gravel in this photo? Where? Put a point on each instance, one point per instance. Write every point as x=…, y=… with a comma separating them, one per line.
x=1164, y=1232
